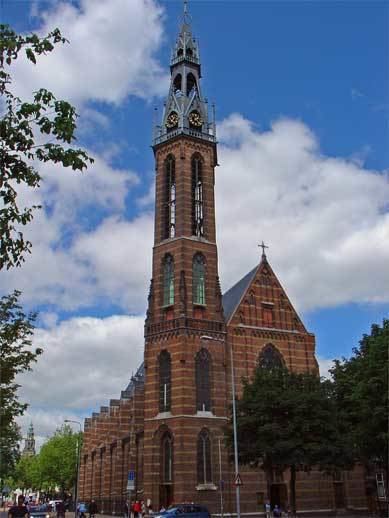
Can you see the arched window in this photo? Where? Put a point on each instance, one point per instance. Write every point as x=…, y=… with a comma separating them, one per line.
x=198, y=274
x=168, y=280
x=164, y=382
x=177, y=82
x=190, y=83
x=197, y=196
x=270, y=358
x=203, y=381
x=170, y=197
x=204, y=464
x=167, y=458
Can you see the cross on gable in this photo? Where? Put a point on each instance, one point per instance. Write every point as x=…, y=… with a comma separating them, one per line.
x=263, y=246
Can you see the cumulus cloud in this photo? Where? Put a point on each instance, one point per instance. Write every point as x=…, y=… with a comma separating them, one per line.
x=325, y=218
x=86, y=362
x=128, y=59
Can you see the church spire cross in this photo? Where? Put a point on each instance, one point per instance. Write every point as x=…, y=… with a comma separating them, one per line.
x=263, y=246
x=186, y=17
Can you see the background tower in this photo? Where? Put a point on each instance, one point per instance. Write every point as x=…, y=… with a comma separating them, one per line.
x=29, y=442
x=185, y=359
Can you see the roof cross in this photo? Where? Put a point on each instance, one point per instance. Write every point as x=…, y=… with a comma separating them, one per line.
x=263, y=246
x=186, y=18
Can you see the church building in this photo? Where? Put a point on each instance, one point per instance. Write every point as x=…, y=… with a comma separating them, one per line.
x=162, y=441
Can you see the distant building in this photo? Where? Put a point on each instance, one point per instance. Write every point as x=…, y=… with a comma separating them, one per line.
x=162, y=441
x=29, y=442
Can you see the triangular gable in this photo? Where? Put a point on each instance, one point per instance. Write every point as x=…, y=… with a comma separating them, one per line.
x=259, y=300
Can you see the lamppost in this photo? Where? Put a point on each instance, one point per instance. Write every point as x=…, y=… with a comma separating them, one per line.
x=78, y=463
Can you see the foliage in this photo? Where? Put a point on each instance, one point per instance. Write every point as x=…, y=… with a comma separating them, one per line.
x=361, y=392
x=26, y=474
x=287, y=420
x=20, y=125
x=16, y=356
x=58, y=459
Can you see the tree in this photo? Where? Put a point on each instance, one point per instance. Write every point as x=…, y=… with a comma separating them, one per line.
x=361, y=392
x=286, y=421
x=16, y=356
x=27, y=473
x=58, y=459
x=20, y=126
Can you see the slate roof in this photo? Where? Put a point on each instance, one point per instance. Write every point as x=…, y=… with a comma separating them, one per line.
x=139, y=377
x=233, y=296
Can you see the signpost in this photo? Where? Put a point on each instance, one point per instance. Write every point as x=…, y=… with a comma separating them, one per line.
x=238, y=480
x=131, y=481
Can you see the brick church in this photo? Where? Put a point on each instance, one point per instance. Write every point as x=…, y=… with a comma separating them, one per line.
x=162, y=440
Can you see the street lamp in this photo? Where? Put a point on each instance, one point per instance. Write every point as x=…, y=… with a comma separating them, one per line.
x=78, y=463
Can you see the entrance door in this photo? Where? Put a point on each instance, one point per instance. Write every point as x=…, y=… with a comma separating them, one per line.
x=165, y=495
x=278, y=495
x=340, y=501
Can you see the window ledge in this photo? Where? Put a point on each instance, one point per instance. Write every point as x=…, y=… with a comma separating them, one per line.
x=168, y=306
x=199, y=305
x=163, y=415
x=204, y=413
x=206, y=487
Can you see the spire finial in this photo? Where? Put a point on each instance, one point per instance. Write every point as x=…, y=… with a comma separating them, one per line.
x=263, y=246
x=186, y=18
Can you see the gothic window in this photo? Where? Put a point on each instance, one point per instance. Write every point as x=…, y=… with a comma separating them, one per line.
x=167, y=458
x=190, y=83
x=197, y=196
x=270, y=358
x=204, y=465
x=170, y=197
x=177, y=82
x=198, y=279
x=189, y=52
x=203, y=381
x=168, y=280
x=164, y=382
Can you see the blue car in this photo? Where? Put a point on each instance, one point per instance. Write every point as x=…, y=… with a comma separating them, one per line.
x=185, y=511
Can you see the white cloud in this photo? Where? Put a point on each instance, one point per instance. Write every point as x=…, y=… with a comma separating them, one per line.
x=325, y=218
x=111, y=55
x=86, y=361
x=325, y=364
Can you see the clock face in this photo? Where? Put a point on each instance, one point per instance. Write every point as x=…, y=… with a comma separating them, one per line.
x=172, y=120
x=195, y=119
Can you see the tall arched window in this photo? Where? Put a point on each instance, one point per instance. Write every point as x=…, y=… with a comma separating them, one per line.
x=197, y=196
x=177, y=82
x=198, y=274
x=270, y=358
x=164, y=382
x=190, y=82
x=204, y=464
x=170, y=197
x=203, y=381
x=168, y=280
x=167, y=458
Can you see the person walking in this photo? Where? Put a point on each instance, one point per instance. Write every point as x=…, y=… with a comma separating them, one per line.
x=19, y=510
x=92, y=508
x=60, y=508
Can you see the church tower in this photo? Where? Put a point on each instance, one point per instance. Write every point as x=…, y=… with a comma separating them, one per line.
x=29, y=442
x=185, y=359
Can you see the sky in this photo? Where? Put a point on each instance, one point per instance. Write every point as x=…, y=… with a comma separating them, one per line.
x=302, y=102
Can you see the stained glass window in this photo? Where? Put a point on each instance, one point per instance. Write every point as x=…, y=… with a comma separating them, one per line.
x=203, y=381
x=204, y=464
x=168, y=281
x=198, y=279
x=164, y=382
x=270, y=358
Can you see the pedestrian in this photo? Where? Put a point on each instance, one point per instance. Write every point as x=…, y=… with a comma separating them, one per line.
x=60, y=508
x=92, y=508
x=267, y=509
x=276, y=511
x=126, y=509
x=137, y=509
x=19, y=510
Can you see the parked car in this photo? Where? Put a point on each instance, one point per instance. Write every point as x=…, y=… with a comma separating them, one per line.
x=40, y=511
x=185, y=511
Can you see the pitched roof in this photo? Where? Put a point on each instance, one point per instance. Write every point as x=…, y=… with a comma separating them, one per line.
x=233, y=296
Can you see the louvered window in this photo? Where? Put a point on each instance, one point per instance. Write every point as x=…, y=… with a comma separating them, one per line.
x=197, y=196
x=170, y=197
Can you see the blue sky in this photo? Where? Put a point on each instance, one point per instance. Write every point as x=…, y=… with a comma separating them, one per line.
x=302, y=103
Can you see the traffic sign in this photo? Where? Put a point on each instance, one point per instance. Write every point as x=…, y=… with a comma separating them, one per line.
x=238, y=480
x=131, y=481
